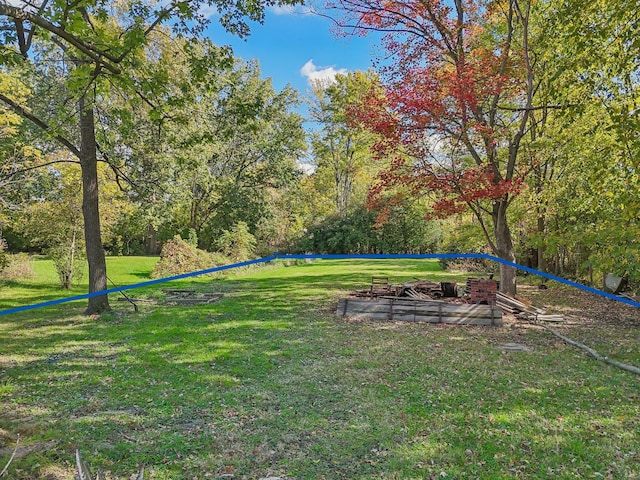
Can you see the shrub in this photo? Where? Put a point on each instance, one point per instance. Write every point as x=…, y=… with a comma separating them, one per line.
x=238, y=243
x=20, y=267
x=179, y=256
x=69, y=261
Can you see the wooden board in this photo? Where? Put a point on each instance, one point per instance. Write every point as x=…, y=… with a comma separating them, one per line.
x=410, y=310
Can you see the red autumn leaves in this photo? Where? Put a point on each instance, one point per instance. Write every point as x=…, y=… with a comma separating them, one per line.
x=447, y=75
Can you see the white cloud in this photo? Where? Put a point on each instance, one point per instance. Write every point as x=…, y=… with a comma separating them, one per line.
x=290, y=9
x=282, y=9
x=208, y=11
x=322, y=75
x=306, y=168
x=21, y=4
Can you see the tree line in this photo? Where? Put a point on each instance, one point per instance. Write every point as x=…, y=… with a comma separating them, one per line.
x=505, y=126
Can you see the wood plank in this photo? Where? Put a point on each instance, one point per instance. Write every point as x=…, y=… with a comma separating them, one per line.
x=403, y=317
x=368, y=308
x=369, y=315
x=550, y=318
x=427, y=318
x=410, y=311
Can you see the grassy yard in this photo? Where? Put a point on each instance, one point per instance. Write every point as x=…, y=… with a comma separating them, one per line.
x=268, y=382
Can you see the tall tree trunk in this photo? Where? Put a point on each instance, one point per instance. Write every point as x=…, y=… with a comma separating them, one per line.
x=541, y=229
x=151, y=241
x=90, y=210
x=504, y=246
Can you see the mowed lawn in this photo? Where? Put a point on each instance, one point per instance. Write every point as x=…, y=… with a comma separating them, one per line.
x=268, y=382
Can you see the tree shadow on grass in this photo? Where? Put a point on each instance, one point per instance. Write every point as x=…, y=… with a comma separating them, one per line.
x=263, y=383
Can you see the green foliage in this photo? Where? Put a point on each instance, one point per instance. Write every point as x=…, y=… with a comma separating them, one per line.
x=463, y=234
x=238, y=243
x=580, y=207
x=55, y=224
x=193, y=238
x=69, y=261
x=179, y=256
x=246, y=155
x=406, y=231
x=227, y=153
x=343, y=151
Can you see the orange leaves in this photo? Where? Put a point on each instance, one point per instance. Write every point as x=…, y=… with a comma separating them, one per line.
x=449, y=68
x=454, y=190
x=374, y=113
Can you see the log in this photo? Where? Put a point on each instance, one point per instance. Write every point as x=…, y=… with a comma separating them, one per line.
x=592, y=352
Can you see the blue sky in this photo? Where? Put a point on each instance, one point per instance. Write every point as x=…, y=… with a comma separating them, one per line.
x=293, y=46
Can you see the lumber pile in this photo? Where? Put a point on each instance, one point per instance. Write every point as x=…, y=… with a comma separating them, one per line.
x=425, y=288
x=422, y=289
x=523, y=308
x=512, y=305
x=417, y=310
x=412, y=293
x=380, y=287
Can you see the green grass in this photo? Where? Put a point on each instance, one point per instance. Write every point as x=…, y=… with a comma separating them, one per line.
x=268, y=382
x=44, y=286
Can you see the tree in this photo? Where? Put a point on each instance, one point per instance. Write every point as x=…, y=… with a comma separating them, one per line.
x=598, y=62
x=582, y=148
x=100, y=43
x=460, y=95
x=17, y=156
x=241, y=150
x=589, y=199
x=238, y=243
x=56, y=223
x=342, y=150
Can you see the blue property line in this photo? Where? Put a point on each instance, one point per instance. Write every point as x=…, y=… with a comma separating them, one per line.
x=363, y=256
x=464, y=255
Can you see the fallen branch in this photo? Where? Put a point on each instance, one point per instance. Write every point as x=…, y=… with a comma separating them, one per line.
x=591, y=351
x=6, y=467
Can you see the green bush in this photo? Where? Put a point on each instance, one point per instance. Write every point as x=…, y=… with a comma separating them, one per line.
x=238, y=243
x=69, y=261
x=405, y=231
